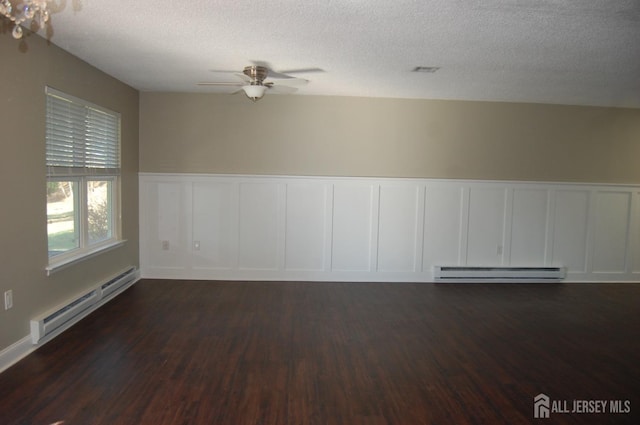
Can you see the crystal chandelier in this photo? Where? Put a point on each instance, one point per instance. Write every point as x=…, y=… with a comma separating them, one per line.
x=26, y=10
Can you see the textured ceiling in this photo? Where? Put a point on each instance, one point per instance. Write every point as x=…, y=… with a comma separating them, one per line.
x=584, y=52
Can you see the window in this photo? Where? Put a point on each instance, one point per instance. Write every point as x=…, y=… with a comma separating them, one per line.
x=83, y=177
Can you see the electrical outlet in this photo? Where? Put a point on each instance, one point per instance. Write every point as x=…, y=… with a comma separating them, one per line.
x=165, y=245
x=8, y=299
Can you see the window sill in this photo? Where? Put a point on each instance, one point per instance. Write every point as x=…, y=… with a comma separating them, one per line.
x=71, y=260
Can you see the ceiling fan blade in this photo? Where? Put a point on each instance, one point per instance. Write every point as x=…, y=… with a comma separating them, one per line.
x=302, y=71
x=264, y=64
x=243, y=77
x=285, y=74
x=235, y=73
x=278, y=75
x=270, y=72
x=293, y=82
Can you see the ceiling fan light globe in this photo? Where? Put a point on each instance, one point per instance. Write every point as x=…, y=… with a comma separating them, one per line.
x=254, y=91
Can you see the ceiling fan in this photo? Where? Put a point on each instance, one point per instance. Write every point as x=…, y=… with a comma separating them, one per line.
x=254, y=85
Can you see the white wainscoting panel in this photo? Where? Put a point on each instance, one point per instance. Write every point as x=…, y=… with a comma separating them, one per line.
x=306, y=227
x=258, y=238
x=353, y=211
x=529, y=227
x=215, y=224
x=443, y=225
x=486, y=226
x=611, y=227
x=570, y=233
x=164, y=227
x=381, y=229
x=398, y=228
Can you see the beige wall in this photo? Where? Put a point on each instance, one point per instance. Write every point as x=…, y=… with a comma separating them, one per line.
x=339, y=136
x=295, y=135
x=23, y=77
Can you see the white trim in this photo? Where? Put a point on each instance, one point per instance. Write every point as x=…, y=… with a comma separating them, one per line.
x=39, y=342
x=281, y=177
x=16, y=352
x=25, y=346
x=84, y=255
x=168, y=207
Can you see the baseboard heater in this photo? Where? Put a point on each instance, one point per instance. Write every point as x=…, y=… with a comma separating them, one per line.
x=498, y=274
x=54, y=322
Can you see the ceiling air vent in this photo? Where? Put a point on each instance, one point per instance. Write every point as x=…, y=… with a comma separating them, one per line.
x=426, y=69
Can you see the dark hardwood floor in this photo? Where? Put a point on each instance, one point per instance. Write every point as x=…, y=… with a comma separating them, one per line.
x=185, y=352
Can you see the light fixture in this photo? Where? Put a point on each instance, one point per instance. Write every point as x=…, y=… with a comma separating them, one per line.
x=254, y=91
x=26, y=10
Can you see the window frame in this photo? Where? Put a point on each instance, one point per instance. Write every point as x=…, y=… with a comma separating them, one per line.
x=81, y=178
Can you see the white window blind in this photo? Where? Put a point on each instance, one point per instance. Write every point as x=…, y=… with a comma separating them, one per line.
x=81, y=138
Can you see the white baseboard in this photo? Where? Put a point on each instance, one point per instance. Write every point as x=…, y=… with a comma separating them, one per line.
x=25, y=346
x=16, y=352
